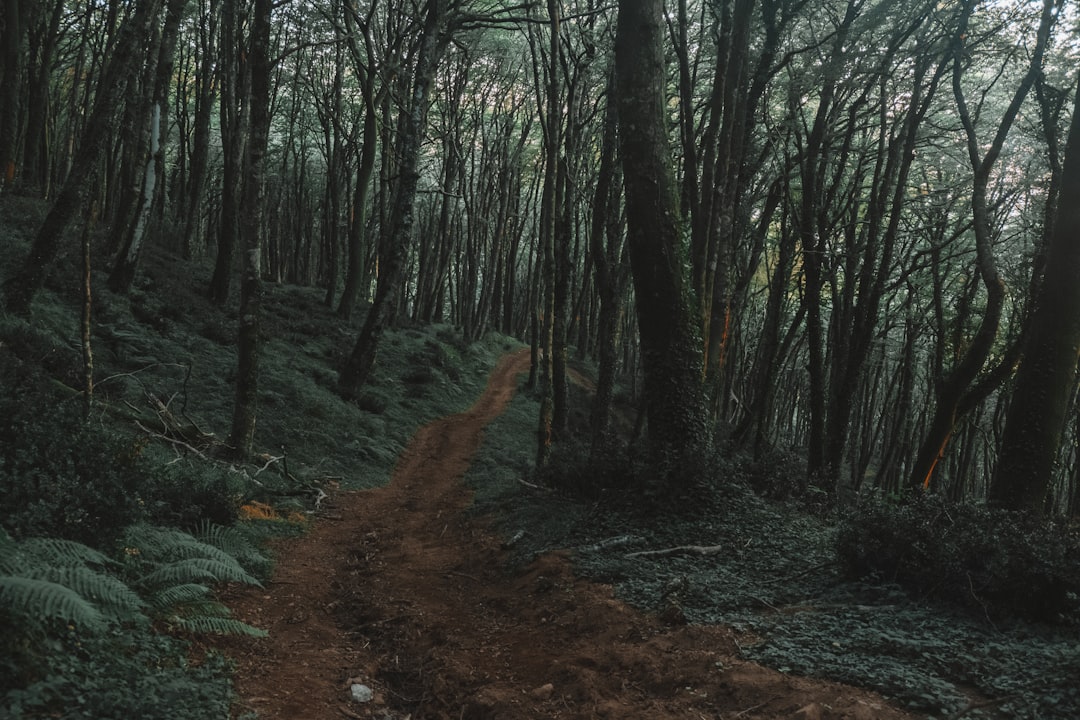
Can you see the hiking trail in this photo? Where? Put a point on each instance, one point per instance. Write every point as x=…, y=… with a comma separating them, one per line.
x=400, y=589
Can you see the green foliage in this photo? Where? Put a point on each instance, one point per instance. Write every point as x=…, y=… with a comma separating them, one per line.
x=61, y=476
x=122, y=675
x=64, y=477
x=994, y=561
x=187, y=494
x=81, y=640
x=174, y=569
x=44, y=580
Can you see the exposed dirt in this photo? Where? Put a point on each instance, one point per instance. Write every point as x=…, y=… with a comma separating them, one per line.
x=399, y=589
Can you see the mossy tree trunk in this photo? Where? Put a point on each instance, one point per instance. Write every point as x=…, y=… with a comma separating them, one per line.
x=670, y=344
x=607, y=249
x=247, y=377
x=154, y=105
x=357, y=270
x=233, y=112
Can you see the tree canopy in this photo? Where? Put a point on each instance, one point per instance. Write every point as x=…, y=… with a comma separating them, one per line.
x=845, y=242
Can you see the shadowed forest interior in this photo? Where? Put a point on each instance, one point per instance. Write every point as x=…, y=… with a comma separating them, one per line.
x=806, y=270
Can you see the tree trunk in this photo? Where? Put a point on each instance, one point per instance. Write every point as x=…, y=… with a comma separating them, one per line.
x=361, y=361
x=549, y=205
x=200, y=143
x=124, y=65
x=670, y=345
x=607, y=253
x=37, y=147
x=1044, y=383
x=242, y=434
x=356, y=270
x=233, y=77
x=11, y=72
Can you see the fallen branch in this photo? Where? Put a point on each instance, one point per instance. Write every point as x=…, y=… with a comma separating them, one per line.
x=617, y=541
x=174, y=441
x=679, y=550
x=533, y=486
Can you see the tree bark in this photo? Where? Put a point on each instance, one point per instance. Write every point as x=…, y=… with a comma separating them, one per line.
x=233, y=76
x=122, y=67
x=11, y=72
x=606, y=247
x=356, y=273
x=358, y=368
x=1038, y=411
x=954, y=398
x=670, y=345
x=242, y=434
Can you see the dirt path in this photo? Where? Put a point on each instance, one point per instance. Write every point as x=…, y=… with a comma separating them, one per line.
x=398, y=589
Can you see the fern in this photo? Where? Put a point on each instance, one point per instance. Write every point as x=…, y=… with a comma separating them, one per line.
x=62, y=553
x=219, y=626
x=47, y=579
x=181, y=552
x=195, y=570
x=174, y=595
x=108, y=592
x=234, y=542
x=33, y=599
x=189, y=608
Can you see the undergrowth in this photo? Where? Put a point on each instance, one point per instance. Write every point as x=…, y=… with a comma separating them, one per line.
x=116, y=527
x=780, y=580
x=1004, y=564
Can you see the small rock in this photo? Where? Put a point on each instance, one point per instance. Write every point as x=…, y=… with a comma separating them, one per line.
x=542, y=693
x=362, y=693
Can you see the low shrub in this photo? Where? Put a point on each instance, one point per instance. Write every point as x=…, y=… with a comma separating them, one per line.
x=998, y=562
x=66, y=477
x=61, y=476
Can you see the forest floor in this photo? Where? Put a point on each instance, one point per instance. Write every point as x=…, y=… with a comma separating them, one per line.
x=404, y=591
x=469, y=585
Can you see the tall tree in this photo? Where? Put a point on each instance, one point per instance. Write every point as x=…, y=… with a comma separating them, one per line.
x=551, y=120
x=670, y=345
x=959, y=392
x=1044, y=382
x=233, y=110
x=154, y=103
x=11, y=72
x=242, y=433
x=122, y=67
x=364, y=66
x=398, y=232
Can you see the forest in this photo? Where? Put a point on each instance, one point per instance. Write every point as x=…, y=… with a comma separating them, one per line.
x=803, y=271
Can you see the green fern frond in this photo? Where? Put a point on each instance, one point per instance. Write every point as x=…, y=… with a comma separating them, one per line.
x=219, y=626
x=201, y=606
x=35, y=599
x=104, y=591
x=55, y=552
x=196, y=570
x=175, y=595
x=234, y=542
x=172, y=546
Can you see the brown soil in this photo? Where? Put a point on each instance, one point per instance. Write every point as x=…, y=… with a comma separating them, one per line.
x=399, y=589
